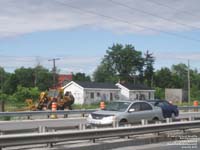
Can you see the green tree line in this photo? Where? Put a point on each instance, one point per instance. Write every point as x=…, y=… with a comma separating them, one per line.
x=120, y=63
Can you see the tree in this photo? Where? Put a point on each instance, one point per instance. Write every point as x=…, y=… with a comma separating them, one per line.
x=163, y=78
x=124, y=62
x=149, y=70
x=80, y=77
x=11, y=83
x=42, y=78
x=25, y=77
x=104, y=74
x=3, y=78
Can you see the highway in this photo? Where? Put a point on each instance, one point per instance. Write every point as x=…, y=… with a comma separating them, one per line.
x=60, y=122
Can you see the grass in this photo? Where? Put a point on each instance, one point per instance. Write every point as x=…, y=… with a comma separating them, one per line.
x=86, y=106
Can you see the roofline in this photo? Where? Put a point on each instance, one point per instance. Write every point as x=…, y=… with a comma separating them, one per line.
x=143, y=90
x=119, y=84
x=71, y=83
x=101, y=89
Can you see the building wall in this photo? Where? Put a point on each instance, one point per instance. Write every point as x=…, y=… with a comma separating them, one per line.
x=174, y=95
x=77, y=92
x=97, y=95
x=141, y=95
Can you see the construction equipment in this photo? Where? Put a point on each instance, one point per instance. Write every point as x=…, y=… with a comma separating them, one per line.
x=64, y=101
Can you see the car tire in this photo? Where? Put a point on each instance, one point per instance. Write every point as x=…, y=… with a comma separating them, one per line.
x=123, y=122
x=155, y=119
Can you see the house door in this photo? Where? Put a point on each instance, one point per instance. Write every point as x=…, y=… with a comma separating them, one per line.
x=111, y=96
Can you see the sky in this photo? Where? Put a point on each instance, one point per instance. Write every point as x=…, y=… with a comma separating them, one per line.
x=79, y=32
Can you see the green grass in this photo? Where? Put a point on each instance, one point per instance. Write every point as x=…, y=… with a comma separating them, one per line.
x=86, y=106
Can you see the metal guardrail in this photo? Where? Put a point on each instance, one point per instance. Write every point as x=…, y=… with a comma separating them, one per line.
x=188, y=108
x=48, y=112
x=70, y=112
x=56, y=137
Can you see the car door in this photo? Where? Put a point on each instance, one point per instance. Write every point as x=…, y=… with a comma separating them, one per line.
x=147, y=111
x=134, y=113
x=139, y=111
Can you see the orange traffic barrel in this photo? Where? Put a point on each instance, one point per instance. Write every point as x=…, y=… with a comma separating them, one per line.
x=54, y=106
x=102, y=105
x=195, y=103
x=53, y=109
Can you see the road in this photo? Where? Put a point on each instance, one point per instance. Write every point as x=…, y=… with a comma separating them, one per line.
x=61, y=122
x=29, y=124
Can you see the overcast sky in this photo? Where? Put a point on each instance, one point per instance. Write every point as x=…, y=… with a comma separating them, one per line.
x=80, y=31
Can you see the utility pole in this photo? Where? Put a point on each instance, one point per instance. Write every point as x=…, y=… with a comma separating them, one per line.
x=54, y=70
x=188, y=81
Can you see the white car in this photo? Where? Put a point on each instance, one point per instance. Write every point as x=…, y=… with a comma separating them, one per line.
x=124, y=112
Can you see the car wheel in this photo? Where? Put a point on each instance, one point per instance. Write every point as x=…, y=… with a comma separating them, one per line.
x=155, y=119
x=123, y=122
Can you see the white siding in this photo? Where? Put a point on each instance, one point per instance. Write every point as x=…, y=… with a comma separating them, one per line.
x=77, y=92
x=97, y=95
x=136, y=95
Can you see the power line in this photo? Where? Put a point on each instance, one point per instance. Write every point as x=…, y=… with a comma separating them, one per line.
x=173, y=8
x=127, y=22
x=151, y=14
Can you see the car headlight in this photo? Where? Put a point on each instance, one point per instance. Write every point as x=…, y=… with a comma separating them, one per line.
x=89, y=116
x=110, y=118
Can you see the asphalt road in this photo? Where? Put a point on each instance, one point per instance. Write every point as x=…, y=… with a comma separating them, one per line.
x=60, y=122
x=29, y=124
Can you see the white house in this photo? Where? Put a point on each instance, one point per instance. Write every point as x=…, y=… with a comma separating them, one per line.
x=92, y=92
x=135, y=91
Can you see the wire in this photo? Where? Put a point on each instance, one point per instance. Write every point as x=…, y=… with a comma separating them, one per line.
x=151, y=14
x=127, y=22
x=173, y=8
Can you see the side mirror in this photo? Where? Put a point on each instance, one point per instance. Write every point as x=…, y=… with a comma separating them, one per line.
x=131, y=110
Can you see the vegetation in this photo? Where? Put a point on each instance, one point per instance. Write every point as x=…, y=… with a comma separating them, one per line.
x=121, y=63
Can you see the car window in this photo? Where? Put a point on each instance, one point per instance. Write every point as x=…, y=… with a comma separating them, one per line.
x=160, y=104
x=135, y=106
x=145, y=106
x=117, y=106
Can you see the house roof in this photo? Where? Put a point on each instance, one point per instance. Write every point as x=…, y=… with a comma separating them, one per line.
x=136, y=86
x=96, y=85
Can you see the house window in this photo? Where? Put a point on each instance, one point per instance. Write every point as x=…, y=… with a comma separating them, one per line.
x=98, y=94
x=92, y=95
x=149, y=95
x=111, y=96
x=137, y=96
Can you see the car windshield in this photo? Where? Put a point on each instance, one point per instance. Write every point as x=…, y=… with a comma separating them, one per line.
x=117, y=106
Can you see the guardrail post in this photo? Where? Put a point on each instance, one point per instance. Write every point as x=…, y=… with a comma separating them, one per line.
x=65, y=115
x=81, y=126
x=83, y=115
x=1, y=133
x=115, y=123
x=144, y=122
x=42, y=129
x=191, y=118
x=168, y=120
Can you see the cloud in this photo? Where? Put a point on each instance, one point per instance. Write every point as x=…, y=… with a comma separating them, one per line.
x=167, y=59
x=26, y=16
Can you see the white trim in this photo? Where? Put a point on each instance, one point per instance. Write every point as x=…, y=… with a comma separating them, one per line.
x=72, y=82
x=102, y=89
x=121, y=86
